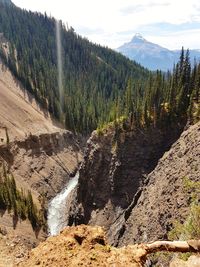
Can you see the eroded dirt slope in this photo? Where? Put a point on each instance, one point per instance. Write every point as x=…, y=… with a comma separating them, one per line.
x=86, y=246
x=81, y=246
x=41, y=155
x=19, y=112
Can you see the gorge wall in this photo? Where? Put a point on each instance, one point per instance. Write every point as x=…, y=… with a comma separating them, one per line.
x=165, y=199
x=114, y=173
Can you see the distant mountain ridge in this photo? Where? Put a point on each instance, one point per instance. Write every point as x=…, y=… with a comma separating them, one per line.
x=152, y=56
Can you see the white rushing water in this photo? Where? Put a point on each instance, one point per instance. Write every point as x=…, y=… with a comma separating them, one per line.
x=56, y=219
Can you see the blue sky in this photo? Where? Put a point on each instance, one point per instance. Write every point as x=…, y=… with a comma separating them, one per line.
x=170, y=23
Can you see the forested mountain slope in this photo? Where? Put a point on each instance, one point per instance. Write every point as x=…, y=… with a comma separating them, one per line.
x=93, y=78
x=98, y=85
x=7, y=2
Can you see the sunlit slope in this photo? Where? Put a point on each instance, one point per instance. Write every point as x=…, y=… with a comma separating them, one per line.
x=20, y=114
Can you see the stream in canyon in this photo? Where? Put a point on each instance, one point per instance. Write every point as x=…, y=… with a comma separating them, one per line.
x=57, y=218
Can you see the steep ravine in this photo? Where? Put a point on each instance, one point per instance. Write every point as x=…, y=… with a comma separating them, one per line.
x=41, y=156
x=113, y=174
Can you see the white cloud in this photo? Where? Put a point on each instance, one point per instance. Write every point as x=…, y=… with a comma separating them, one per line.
x=176, y=40
x=103, y=20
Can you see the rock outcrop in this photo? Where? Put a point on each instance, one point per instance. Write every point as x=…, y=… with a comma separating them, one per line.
x=164, y=200
x=114, y=174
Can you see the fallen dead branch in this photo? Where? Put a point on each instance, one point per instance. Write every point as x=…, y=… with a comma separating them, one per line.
x=173, y=246
x=143, y=250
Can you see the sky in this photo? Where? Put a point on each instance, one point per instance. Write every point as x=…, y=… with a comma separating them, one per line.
x=169, y=23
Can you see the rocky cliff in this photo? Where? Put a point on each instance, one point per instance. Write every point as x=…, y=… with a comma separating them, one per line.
x=164, y=199
x=114, y=176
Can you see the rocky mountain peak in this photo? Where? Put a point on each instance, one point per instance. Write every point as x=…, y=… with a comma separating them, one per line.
x=138, y=38
x=152, y=55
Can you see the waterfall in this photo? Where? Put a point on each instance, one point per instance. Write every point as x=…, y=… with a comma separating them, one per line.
x=56, y=219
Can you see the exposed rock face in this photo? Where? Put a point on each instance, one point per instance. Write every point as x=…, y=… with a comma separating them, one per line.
x=164, y=200
x=113, y=173
x=43, y=163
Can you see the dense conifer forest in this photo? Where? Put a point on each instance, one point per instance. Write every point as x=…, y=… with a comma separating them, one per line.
x=99, y=85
